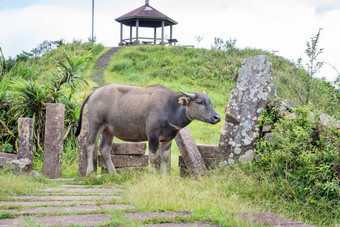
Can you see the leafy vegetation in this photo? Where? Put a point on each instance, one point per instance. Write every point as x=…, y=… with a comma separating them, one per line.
x=301, y=161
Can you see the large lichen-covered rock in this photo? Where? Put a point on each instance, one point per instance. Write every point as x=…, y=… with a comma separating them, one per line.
x=254, y=89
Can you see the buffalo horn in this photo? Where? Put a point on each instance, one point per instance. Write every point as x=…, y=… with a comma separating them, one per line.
x=192, y=96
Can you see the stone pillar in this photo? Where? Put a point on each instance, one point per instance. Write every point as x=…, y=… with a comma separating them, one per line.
x=189, y=151
x=25, y=140
x=254, y=89
x=54, y=132
x=83, y=143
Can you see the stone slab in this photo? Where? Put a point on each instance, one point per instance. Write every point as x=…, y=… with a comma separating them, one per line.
x=63, y=220
x=65, y=198
x=156, y=215
x=80, y=186
x=120, y=161
x=128, y=148
x=69, y=209
x=54, y=133
x=43, y=203
x=190, y=153
x=269, y=219
x=82, y=190
x=208, y=151
x=210, y=163
x=195, y=224
x=89, y=219
x=5, y=158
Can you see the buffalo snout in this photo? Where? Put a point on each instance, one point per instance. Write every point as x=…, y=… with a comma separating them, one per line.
x=216, y=119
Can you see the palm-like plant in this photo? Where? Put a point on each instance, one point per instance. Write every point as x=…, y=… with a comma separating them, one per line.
x=6, y=118
x=68, y=69
x=29, y=99
x=3, y=65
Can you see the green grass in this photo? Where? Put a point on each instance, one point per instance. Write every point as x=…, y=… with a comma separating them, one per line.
x=12, y=184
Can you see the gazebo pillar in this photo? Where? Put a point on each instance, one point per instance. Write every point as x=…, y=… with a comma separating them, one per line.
x=163, y=32
x=130, y=34
x=154, y=35
x=137, y=26
x=170, y=34
x=121, y=33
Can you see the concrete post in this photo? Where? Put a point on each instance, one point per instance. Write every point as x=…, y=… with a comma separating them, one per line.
x=25, y=140
x=83, y=143
x=54, y=132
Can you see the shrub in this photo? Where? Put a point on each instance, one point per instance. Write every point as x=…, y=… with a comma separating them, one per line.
x=300, y=161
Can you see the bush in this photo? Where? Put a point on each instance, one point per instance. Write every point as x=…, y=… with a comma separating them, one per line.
x=300, y=161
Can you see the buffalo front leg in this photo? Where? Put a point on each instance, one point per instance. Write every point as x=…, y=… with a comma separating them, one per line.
x=105, y=150
x=154, y=157
x=165, y=151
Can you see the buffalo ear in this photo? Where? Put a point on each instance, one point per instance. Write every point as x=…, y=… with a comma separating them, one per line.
x=183, y=101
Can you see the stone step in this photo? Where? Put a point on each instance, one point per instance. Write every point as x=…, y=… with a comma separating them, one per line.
x=125, y=161
x=269, y=219
x=63, y=220
x=81, y=186
x=67, y=209
x=83, y=190
x=5, y=204
x=89, y=219
x=65, y=198
x=195, y=224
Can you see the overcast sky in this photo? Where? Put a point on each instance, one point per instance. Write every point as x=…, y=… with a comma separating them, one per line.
x=273, y=25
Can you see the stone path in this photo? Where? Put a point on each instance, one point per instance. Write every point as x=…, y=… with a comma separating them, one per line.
x=67, y=205
x=97, y=74
x=78, y=205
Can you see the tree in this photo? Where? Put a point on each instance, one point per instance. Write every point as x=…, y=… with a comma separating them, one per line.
x=198, y=39
x=313, y=66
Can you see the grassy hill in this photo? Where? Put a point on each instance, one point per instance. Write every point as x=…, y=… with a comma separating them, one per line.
x=214, y=71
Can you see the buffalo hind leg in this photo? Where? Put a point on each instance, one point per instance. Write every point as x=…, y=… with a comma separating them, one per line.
x=154, y=157
x=165, y=151
x=105, y=150
x=93, y=135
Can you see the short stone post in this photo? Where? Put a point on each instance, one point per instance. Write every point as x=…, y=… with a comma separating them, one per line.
x=54, y=132
x=254, y=89
x=25, y=140
x=189, y=151
x=82, y=138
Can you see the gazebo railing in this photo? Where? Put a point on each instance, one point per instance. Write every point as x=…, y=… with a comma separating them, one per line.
x=146, y=41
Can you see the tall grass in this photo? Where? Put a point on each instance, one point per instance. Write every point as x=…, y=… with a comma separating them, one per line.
x=12, y=184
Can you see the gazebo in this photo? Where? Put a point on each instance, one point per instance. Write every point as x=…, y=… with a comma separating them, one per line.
x=149, y=17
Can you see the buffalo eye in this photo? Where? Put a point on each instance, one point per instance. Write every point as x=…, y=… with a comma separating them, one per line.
x=199, y=102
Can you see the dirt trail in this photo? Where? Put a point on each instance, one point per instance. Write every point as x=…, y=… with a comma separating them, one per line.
x=97, y=74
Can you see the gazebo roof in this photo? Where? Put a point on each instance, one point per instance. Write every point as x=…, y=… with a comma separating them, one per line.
x=148, y=17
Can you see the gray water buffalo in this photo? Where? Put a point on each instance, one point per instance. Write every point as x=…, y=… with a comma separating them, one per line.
x=154, y=114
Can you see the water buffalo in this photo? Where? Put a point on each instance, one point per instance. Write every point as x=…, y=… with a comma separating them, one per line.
x=154, y=114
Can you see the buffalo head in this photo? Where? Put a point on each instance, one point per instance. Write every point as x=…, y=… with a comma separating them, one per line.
x=198, y=107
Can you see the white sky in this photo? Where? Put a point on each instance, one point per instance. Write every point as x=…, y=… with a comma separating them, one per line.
x=280, y=25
